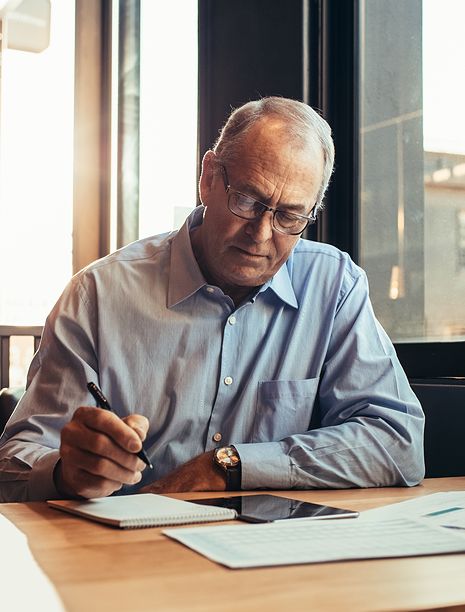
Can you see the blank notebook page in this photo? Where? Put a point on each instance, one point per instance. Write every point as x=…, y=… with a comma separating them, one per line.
x=143, y=510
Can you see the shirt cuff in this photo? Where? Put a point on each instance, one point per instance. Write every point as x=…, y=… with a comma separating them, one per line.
x=264, y=465
x=41, y=485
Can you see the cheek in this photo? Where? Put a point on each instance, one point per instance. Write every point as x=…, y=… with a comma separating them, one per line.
x=283, y=246
x=222, y=226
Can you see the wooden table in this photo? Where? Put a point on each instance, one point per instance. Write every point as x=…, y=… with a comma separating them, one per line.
x=95, y=567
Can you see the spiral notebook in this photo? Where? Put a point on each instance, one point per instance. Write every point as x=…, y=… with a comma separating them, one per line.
x=143, y=510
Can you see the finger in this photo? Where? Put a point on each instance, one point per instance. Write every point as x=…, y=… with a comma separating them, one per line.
x=101, y=466
x=88, y=486
x=76, y=435
x=71, y=481
x=139, y=423
x=109, y=423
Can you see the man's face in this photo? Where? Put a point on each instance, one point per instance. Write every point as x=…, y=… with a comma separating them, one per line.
x=236, y=253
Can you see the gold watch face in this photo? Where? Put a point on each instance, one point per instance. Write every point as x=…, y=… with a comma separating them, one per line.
x=227, y=457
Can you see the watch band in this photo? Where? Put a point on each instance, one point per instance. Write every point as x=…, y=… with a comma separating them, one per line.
x=234, y=478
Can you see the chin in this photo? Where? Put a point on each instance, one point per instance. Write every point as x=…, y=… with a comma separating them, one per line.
x=245, y=279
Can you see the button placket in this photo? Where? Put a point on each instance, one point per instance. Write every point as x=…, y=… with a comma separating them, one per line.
x=231, y=334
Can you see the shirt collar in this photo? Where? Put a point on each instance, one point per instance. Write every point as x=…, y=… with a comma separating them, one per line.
x=281, y=284
x=186, y=277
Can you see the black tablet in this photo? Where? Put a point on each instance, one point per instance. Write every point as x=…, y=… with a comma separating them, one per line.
x=265, y=508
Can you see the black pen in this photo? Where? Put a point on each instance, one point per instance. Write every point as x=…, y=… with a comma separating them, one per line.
x=105, y=404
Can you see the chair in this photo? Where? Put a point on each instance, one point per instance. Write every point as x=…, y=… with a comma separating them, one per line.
x=6, y=332
x=443, y=402
x=9, y=397
x=439, y=383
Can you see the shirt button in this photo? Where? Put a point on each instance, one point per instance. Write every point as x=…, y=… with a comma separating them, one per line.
x=210, y=289
x=228, y=380
x=217, y=437
x=232, y=320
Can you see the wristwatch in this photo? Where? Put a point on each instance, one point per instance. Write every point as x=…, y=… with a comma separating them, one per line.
x=227, y=459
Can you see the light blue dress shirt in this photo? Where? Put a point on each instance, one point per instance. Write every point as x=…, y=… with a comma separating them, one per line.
x=159, y=340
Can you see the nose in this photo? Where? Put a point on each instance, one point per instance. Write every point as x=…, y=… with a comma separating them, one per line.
x=260, y=229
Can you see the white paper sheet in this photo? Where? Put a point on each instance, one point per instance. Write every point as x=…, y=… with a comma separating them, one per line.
x=445, y=509
x=288, y=543
x=23, y=584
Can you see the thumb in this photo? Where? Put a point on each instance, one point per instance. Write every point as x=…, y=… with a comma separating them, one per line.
x=139, y=424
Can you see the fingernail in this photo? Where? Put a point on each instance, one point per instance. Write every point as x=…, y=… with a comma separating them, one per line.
x=134, y=446
x=137, y=477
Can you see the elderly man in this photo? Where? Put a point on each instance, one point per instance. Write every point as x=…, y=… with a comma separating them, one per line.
x=241, y=355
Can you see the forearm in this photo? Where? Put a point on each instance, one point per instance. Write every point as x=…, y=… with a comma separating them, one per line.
x=359, y=453
x=27, y=477
x=198, y=474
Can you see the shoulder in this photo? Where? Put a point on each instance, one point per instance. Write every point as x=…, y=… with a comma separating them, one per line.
x=134, y=274
x=138, y=262
x=138, y=251
x=134, y=255
x=320, y=271
x=325, y=258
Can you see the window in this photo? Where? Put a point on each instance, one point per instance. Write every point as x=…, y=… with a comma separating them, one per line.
x=79, y=81
x=461, y=239
x=168, y=114
x=412, y=139
x=154, y=153
x=36, y=168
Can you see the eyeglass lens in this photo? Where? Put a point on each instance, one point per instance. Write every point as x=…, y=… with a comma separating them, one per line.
x=248, y=208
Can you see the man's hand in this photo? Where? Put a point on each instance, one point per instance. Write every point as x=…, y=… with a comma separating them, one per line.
x=98, y=453
x=198, y=474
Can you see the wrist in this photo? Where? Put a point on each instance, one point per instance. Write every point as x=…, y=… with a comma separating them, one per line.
x=227, y=460
x=59, y=481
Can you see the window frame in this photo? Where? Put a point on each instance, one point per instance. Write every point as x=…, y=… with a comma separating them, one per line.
x=92, y=132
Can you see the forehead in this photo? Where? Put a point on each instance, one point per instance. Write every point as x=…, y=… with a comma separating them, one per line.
x=269, y=165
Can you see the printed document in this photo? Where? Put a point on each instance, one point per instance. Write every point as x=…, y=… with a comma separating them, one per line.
x=291, y=542
x=444, y=509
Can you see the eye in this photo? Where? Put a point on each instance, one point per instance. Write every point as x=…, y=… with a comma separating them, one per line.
x=248, y=205
x=287, y=219
x=244, y=203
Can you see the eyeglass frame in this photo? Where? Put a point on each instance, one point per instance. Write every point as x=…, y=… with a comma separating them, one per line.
x=274, y=211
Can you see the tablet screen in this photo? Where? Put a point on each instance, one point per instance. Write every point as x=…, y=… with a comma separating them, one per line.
x=265, y=508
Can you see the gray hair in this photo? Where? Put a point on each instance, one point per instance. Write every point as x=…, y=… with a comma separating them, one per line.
x=303, y=124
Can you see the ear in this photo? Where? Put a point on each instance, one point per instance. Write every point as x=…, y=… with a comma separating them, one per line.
x=207, y=176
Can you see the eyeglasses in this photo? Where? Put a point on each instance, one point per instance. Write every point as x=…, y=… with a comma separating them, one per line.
x=247, y=207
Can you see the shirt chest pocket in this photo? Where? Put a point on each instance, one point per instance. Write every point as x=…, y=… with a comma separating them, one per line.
x=284, y=407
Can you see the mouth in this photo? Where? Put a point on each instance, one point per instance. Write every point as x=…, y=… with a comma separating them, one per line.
x=246, y=253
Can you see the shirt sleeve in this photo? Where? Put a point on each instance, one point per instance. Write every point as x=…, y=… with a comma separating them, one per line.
x=371, y=424
x=56, y=386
